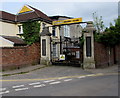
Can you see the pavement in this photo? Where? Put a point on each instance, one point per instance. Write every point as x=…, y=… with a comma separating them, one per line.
x=22, y=70
x=110, y=69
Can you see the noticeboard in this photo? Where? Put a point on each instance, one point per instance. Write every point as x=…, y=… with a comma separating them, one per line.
x=62, y=57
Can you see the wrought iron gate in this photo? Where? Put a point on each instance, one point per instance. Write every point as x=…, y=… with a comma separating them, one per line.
x=70, y=47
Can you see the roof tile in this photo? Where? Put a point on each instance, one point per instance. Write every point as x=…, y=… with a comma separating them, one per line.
x=16, y=40
x=7, y=16
x=36, y=14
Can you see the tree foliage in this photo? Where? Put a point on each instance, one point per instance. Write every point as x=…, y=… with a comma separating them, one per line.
x=112, y=35
x=31, y=31
x=98, y=23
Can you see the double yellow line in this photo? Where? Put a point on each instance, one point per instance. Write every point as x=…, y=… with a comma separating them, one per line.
x=88, y=75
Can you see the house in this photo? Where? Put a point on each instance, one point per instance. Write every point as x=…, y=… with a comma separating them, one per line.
x=11, y=25
x=8, y=28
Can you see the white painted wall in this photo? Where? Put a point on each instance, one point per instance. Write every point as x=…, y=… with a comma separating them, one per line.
x=46, y=25
x=8, y=29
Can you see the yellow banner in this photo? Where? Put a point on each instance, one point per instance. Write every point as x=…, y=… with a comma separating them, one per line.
x=68, y=21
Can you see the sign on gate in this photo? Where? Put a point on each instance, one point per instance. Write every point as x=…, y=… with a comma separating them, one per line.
x=68, y=21
x=62, y=57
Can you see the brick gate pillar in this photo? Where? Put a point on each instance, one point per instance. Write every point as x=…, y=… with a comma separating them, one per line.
x=88, y=48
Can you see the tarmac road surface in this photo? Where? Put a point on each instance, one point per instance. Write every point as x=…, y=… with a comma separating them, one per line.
x=62, y=81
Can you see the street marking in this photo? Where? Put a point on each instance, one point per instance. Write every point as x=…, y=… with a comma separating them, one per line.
x=81, y=77
x=21, y=89
x=4, y=92
x=61, y=78
x=17, y=86
x=68, y=80
x=34, y=83
x=2, y=89
x=55, y=82
x=48, y=81
x=99, y=74
x=39, y=85
x=91, y=75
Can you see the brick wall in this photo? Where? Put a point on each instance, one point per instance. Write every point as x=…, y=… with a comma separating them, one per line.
x=117, y=49
x=102, y=57
x=17, y=57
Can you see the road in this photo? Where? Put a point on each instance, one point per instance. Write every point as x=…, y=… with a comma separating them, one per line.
x=87, y=84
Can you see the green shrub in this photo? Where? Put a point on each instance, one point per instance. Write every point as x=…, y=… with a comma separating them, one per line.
x=31, y=31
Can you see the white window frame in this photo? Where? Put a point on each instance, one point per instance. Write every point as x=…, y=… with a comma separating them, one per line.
x=20, y=27
x=67, y=31
x=55, y=50
x=54, y=29
x=43, y=25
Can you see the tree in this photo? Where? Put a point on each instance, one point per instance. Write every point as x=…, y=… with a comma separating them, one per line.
x=112, y=37
x=31, y=32
x=98, y=23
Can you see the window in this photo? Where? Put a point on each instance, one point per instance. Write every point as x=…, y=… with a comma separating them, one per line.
x=44, y=47
x=77, y=54
x=88, y=46
x=20, y=29
x=43, y=25
x=53, y=31
x=66, y=31
x=54, y=50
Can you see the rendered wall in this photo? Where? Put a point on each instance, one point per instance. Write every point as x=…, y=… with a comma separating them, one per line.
x=8, y=29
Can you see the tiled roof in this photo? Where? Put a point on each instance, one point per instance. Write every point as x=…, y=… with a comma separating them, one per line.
x=16, y=40
x=7, y=16
x=34, y=15
x=25, y=17
x=41, y=14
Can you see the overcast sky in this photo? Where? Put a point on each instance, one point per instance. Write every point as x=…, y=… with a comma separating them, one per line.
x=108, y=10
